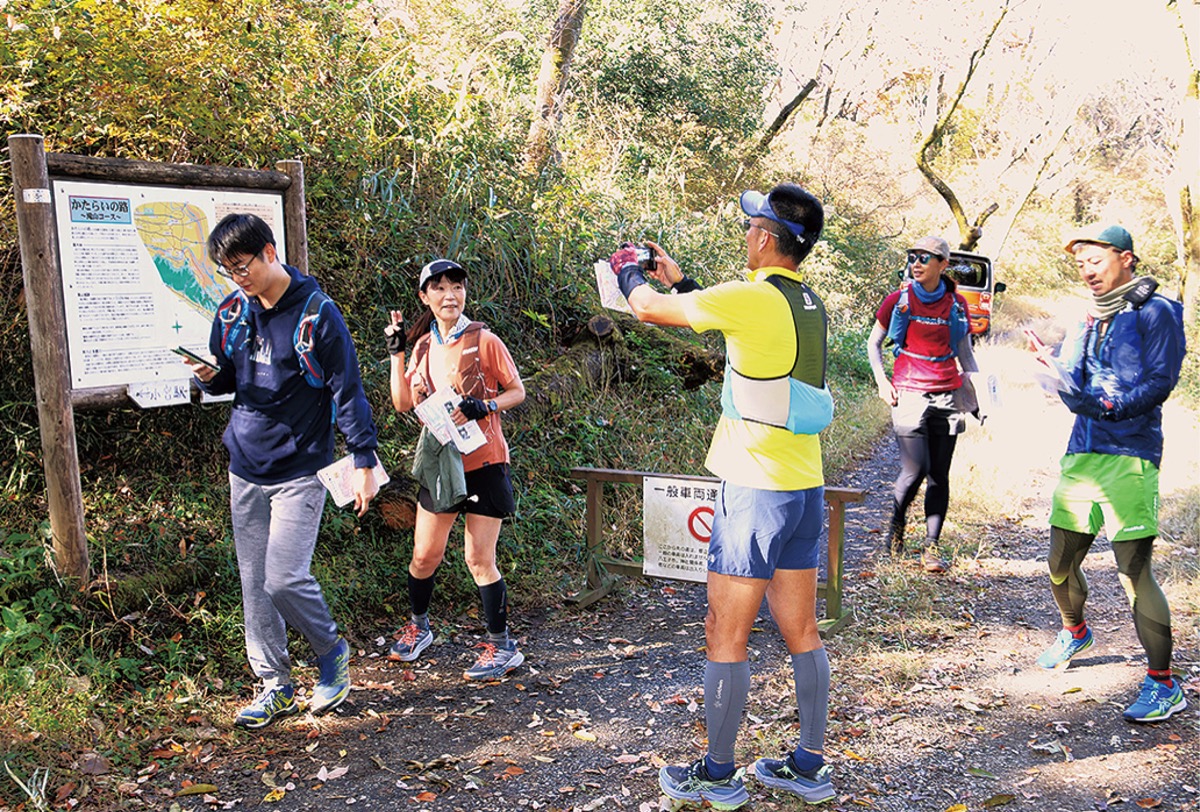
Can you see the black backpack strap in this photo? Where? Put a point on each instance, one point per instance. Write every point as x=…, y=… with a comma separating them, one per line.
x=1141, y=292
x=812, y=329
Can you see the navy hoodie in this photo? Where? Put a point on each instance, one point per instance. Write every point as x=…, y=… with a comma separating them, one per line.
x=1123, y=379
x=281, y=428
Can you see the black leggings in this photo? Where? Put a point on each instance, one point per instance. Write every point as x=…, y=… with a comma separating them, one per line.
x=923, y=457
x=1151, y=615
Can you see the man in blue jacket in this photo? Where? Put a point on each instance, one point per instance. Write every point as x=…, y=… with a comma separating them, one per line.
x=283, y=349
x=1124, y=360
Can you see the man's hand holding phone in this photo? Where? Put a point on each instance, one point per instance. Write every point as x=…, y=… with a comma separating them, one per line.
x=201, y=367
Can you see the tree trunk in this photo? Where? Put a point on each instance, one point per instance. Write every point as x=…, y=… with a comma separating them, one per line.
x=552, y=85
x=1187, y=163
x=968, y=233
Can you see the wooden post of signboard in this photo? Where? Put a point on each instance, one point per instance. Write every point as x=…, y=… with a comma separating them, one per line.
x=295, y=227
x=48, y=340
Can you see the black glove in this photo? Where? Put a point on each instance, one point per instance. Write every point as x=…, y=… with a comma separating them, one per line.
x=630, y=277
x=393, y=336
x=1087, y=406
x=473, y=408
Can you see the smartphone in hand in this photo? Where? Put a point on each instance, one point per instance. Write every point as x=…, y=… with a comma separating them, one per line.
x=191, y=356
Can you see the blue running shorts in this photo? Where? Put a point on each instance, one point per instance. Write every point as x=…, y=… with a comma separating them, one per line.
x=756, y=532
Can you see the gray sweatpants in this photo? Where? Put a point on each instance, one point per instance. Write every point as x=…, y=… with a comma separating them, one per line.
x=274, y=533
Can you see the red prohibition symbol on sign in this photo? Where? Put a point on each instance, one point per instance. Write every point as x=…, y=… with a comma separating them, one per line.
x=700, y=524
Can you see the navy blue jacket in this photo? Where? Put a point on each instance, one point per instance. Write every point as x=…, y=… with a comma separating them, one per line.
x=281, y=428
x=1123, y=378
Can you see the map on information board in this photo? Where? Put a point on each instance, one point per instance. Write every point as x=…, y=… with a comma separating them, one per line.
x=137, y=280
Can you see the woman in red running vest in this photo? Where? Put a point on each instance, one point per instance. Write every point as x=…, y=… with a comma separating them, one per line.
x=929, y=391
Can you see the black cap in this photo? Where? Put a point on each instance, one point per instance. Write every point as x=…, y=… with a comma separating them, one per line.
x=439, y=267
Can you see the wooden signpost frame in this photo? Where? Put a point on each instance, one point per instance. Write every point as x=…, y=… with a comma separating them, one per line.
x=33, y=169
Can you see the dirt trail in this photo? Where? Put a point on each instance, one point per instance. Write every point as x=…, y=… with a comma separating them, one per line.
x=936, y=716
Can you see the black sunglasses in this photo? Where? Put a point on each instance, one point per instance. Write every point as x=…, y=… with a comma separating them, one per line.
x=923, y=257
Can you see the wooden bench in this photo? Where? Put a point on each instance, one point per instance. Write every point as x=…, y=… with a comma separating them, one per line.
x=603, y=569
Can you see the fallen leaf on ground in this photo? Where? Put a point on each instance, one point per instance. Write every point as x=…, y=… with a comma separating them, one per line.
x=196, y=789
x=1000, y=799
x=94, y=764
x=1149, y=803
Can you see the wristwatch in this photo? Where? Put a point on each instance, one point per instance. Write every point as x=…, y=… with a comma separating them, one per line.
x=491, y=406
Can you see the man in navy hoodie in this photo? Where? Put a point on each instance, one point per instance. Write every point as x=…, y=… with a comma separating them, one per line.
x=283, y=349
x=1124, y=360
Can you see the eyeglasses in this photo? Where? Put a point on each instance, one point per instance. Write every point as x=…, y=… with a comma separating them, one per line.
x=747, y=225
x=923, y=257
x=239, y=271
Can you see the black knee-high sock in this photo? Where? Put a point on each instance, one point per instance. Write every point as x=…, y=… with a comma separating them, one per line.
x=495, y=607
x=420, y=594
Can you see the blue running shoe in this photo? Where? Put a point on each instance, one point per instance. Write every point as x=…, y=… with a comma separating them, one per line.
x=271, y=703
x=494, y=661
x=413, y=640
x=1156, y=702
x=1064, y=648
x=812, y=786
x=333, y=685
x=693, y=784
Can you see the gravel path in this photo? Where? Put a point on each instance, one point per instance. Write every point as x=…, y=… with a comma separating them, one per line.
x=936, y=703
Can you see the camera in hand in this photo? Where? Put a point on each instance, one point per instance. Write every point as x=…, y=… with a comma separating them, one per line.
x=645, y=258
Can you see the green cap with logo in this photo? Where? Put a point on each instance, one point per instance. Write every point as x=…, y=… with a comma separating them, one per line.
x=1097, y=234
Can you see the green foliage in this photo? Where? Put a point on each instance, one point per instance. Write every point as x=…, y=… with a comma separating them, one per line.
x=28, y=626
x=669, y=93
x=411, y=127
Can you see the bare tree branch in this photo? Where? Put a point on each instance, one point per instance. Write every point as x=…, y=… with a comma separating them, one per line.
x=781, y=119
x=968, y=234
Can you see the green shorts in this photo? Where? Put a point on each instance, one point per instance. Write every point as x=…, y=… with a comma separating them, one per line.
x=1115, y=492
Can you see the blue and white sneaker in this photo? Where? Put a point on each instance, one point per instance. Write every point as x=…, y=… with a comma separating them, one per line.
x=271, y=703
x=413, y=640
x=495, y=661
x=692, y=783
x=333, y=684
x=812, y=786
x=1065, y=647
x=1156, y=702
